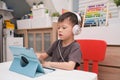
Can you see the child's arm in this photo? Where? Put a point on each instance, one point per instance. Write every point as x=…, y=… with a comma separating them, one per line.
x=61, y=65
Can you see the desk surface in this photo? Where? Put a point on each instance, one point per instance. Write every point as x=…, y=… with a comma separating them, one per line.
x=5, y=74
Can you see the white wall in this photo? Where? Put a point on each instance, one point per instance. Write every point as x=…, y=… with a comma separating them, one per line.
x=47, y=3
x=62, y=4
x=54, y=5
x=108, y=33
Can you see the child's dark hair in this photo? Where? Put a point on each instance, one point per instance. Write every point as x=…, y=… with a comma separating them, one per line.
x=71, y=16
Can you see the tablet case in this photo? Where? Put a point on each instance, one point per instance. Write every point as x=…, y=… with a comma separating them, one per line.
x=25, y=62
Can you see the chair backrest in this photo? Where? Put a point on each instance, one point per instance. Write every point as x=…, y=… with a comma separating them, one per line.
x=92, y=50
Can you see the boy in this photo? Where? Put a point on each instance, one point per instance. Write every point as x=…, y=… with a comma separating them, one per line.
x=65, y=53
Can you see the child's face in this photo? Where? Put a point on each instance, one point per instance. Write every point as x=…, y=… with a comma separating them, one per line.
x=65, y=30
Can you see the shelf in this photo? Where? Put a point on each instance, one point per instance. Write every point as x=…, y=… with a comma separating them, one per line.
x=37, y=28
x=8, y=10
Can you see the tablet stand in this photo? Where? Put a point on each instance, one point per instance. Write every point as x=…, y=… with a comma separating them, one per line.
x=26, y=66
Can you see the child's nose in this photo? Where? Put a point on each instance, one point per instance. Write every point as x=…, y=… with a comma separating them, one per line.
x=60, y=29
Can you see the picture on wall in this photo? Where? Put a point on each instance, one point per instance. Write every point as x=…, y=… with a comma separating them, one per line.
x=95, y=15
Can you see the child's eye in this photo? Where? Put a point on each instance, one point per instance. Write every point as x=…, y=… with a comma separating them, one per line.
x=64, y=27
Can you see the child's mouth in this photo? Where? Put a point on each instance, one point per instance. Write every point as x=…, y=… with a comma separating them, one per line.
x=60, y=34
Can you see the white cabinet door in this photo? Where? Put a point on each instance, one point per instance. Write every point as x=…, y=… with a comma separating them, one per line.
x=12, y=41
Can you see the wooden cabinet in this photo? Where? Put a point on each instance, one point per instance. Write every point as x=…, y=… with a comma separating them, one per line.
x=40, y=39
x=109, y=69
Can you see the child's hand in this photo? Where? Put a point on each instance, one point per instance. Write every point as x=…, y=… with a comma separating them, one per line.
x=39, y=56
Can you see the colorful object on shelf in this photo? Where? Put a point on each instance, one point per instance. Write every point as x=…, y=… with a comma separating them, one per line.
x=64, y=11
x=9, y=25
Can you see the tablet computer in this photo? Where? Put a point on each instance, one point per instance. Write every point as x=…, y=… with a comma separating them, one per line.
x=26, y=62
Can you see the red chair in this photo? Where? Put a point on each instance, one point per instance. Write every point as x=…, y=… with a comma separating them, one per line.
x=92, y=50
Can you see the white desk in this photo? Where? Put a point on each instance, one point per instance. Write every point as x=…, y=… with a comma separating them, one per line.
x=5, y=74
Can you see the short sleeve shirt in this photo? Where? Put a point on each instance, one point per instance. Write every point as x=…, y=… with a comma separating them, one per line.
x=71, y=52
